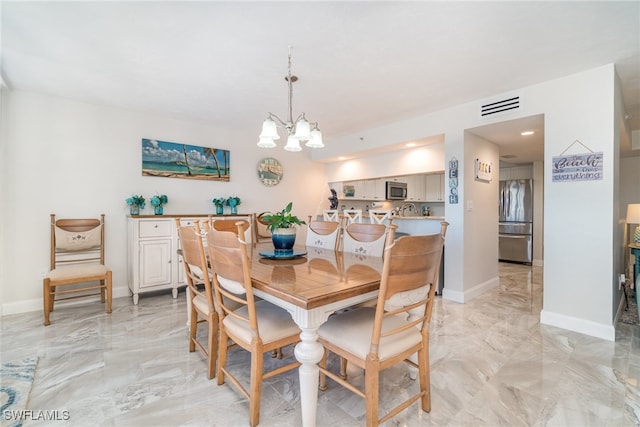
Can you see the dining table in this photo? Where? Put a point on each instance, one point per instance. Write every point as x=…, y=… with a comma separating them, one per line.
x=311, y=284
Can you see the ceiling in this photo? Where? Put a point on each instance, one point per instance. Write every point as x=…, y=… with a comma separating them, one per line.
x=359, y=64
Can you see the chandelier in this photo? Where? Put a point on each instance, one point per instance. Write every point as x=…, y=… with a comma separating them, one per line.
x=298, y=130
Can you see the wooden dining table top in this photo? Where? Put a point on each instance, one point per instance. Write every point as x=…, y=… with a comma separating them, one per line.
x=320, y=277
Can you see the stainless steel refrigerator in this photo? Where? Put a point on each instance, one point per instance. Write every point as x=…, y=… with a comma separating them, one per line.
x=515, y=238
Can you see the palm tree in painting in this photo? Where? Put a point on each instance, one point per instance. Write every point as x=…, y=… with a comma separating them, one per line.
x=211, y=152
x=186, y=159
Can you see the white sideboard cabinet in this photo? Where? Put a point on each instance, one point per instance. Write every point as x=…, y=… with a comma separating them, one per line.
x=153, y=262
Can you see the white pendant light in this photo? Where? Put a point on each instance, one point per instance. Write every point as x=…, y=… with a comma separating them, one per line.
x=269, y=129
x=293, y=144
x=298, y=130
x=266, y=143
x=303, y=130
x=316, y=139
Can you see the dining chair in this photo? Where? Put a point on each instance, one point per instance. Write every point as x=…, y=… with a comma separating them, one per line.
x=352, y=215
x=375, y=339
x=323, y=234
x=257, y=326
x=76, y=257
x=364, y=239
x=331, y=215
x=200, y=293
x=380, y=216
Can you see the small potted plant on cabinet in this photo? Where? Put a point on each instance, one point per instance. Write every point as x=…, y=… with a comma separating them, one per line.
x=219, y=202
x=135, y=202
x=283, y=228
x=157, y=202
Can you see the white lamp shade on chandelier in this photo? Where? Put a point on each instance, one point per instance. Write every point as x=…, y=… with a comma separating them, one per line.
x=299, y=130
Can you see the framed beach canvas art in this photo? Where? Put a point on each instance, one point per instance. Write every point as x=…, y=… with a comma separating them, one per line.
x=175, y=160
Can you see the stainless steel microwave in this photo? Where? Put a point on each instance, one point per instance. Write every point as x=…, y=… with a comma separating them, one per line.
x=396, y=190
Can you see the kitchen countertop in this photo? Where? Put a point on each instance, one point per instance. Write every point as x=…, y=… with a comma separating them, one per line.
x=430, y=217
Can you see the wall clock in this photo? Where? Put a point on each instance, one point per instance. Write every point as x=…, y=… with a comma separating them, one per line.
x=270, y=171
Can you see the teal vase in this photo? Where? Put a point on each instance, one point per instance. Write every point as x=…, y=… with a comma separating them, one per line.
x=134, y=210
x=219, y=209
x=234, y=210
x=157, y=210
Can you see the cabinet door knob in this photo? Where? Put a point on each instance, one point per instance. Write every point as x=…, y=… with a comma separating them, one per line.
x=155, y=226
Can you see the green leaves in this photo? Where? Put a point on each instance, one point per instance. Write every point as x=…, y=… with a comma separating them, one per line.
x=282, y=219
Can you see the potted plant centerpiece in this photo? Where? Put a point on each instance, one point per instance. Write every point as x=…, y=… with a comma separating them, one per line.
x=282, y=226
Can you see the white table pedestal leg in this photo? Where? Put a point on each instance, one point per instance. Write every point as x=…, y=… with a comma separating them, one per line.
x=309, y=352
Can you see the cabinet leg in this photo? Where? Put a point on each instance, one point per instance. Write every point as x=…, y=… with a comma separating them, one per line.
x=135, y=299
x=174, y=291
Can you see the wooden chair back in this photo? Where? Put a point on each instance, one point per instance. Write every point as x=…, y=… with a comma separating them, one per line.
x=323, y=234
x=229, y=262
x=194, y=260
x=331, y=215
x=82, y=237
x=352, y=215
x=364, y=239
x=380, y=216
x=409, y=280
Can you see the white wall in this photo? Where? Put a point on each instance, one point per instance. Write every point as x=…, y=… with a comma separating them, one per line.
x=580, y=262
x=480, y=218
x=75, y=159
x=538, y=213
x=424, y=159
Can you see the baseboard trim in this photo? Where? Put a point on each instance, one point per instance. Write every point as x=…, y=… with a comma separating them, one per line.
x=472, y=293
x=587, y=327
x=36, y=304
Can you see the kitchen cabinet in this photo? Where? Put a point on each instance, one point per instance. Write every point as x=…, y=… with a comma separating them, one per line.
x=374, y=189
x=435, y=187
x=416, y=188
x=153, y=262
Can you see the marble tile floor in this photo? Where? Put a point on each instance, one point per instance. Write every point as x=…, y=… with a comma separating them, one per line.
x=492, y=364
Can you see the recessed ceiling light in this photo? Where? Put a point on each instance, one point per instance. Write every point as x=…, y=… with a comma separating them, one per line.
x=342, y=158
x=411, y=144
x=527, y=133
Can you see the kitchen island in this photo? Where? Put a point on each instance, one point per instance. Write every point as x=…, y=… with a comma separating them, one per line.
x=417, y=224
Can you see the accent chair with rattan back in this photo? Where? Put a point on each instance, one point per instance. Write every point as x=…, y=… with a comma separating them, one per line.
x=260, y=230
x=257, y=326
x=77, y=257
x=375, y=339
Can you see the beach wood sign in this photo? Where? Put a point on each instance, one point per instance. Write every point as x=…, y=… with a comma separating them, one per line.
x=577, y=167
x=175, y=160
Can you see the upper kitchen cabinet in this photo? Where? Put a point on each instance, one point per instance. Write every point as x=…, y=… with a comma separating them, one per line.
x=416, y=188
x=435, y=187
x=366, y=189
x=373, y=189
x=516, y=172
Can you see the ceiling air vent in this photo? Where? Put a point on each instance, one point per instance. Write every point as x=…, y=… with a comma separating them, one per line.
x=500, y=106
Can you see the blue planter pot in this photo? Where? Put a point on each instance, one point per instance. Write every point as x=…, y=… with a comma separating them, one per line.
x=283, y=239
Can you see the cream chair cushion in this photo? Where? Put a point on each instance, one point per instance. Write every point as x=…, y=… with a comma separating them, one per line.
x=274, y=323
x=201, y=304
x=351, y=330
x=77, y=271
x=231, y=285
